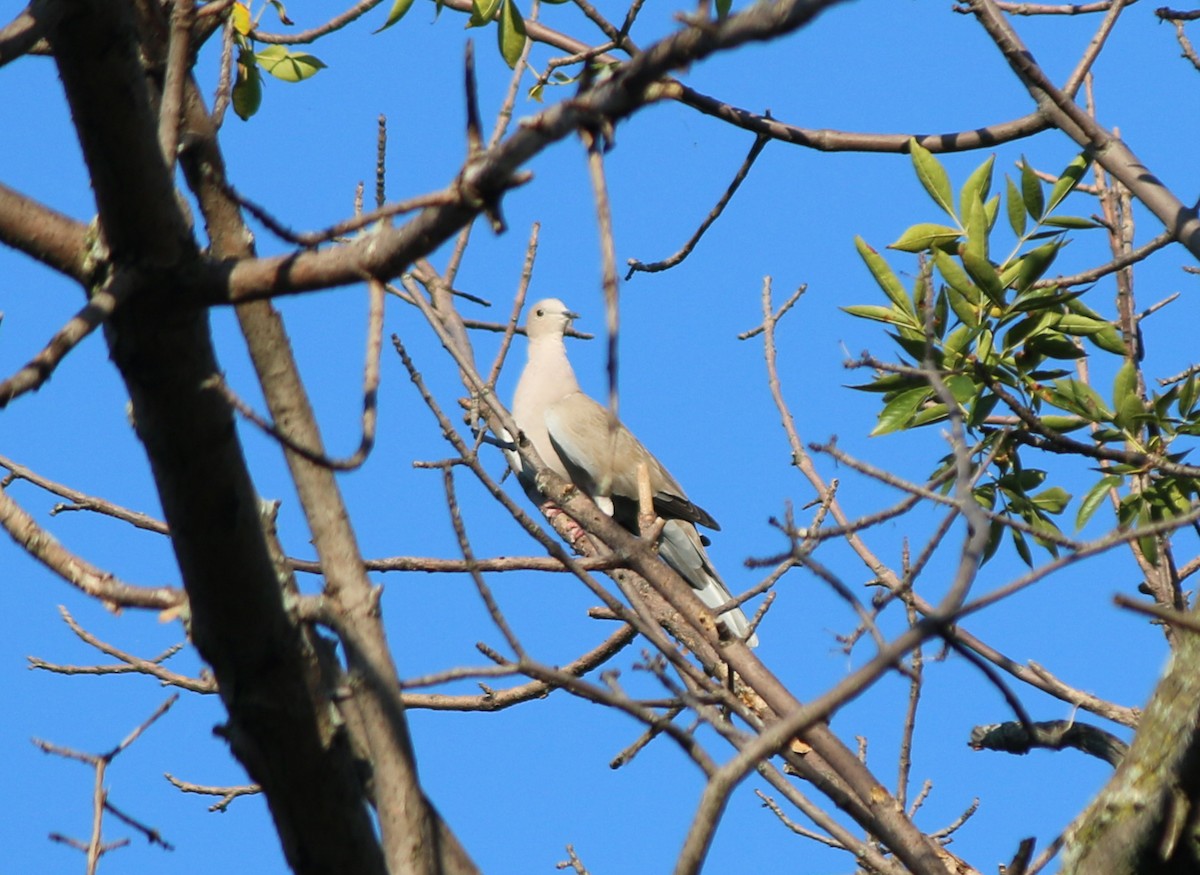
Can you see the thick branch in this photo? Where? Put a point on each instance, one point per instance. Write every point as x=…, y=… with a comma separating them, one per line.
x=281, y=725
x=56, y=240
x=1141, y=822
x=415, y=838
x=389, y=251
x=1112, y=154
x=1021, y=738
x=21, y=34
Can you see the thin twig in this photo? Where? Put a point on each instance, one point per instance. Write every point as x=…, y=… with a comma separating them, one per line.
x=313, y=34
x=227, y=794
x=76, y=570
x=33, y=375
x=129, y=662
x=370, y=395
x=80, y=500
x=464, y=544
x=715, y=213
x=179, y=63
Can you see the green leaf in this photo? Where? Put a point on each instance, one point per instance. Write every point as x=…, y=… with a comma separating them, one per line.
x=1042, y=298
x=1187, y=396
x=955, y=276
x=966, y=311
x=482, y=12
x=985, y=349
x=880, y=314
x=1148, y=545
x=1076, y=305
x=1063, y=424
x=1082, y=326
x=399, y=7
x=926, y=415
x=282, y=63
x=1126, y=402
x=1022, y=480
x=962, y=387
x=1109, y=340
x=723, y=7
x=1125, y=384
x=1071, y=222
x=1054, y=346
x=983, y=272
x=991, y=210
x=1166, y=500
x=247, y=87
x=511, y=33
x=1161, y=404
x=898, y=412
x=1018, y=539
x=1129, y=508
x=892, y=287
x=913, y=342
x=978, y=185
x=1067, y=181
x=1016, y=207
x=1030, y=326
x=985, y=495
x=977, y=228
x=981, y=409
x=958, y=340
x=890, y=383
x=932, y=176
x=1047, y=374
x=1031, y=191
x=1034, y=263
x=1094, y=497
x=1052, y=500
x=940, y=312
x=1106, y=435
x=1174, y=496
x=1047, y=532
x=925, y=235
x=1078, y=397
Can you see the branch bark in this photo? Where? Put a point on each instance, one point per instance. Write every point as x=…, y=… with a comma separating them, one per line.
x=281, y=724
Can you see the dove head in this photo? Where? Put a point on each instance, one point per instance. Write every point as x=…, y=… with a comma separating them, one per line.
x=548, y=318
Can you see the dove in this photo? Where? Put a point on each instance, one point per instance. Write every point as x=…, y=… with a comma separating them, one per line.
x=572, y=435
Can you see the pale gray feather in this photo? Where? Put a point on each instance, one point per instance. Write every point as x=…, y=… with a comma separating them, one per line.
x=574, y=436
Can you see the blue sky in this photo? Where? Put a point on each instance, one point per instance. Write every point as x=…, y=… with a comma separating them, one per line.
x=519, y=785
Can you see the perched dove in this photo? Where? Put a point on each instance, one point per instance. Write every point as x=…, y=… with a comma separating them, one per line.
x=571, y=434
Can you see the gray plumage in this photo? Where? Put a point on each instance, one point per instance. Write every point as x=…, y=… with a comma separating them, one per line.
x=572, y=435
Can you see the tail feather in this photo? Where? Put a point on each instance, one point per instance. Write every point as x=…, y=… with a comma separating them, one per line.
x=682, y=549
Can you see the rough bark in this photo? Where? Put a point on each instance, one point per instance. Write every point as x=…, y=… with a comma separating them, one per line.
x=1144, y=821
x=281, y=724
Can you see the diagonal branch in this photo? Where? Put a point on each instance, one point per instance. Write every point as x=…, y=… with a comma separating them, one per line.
x=20, y=35
x=52, y=238
x=34, y=374
x=387, y=252
x=1110, y=153
x=76, y=570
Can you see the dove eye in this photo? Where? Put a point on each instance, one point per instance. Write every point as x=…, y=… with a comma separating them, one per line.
x=541, y=312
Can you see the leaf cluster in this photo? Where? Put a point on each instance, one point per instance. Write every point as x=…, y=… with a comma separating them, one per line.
x=279, y=61
x=992, y=330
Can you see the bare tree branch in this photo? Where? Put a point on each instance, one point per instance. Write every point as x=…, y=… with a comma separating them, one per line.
x=78, y=572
